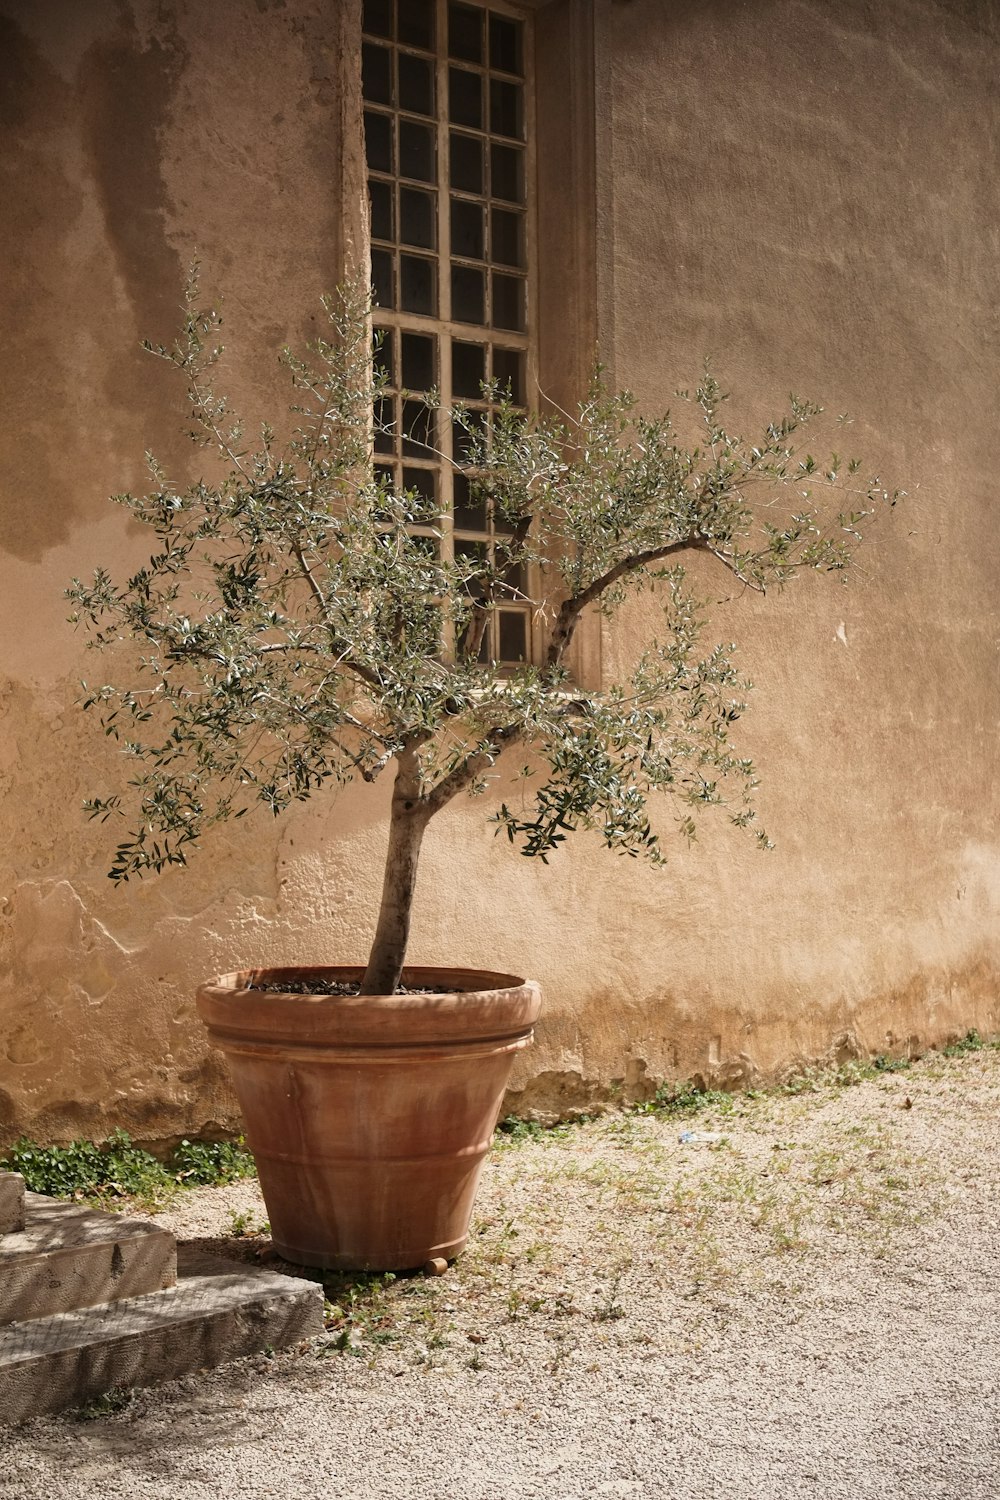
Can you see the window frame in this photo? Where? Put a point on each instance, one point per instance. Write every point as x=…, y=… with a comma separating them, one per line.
x=573, y=295
x=394, y=323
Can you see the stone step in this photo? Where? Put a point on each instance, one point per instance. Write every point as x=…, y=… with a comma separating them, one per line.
x=219, y=1311
x=11, y=1202
x=67, y=1257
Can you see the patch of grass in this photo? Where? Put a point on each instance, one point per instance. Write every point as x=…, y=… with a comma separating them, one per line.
x=115, y=1168
x=116, y=1400
x=207, y=1163
x=681, y=1100
x=843, y=1076
x=512, y=1131
x=363, y=1310
x=119, y=1169
x=970, y=1042
x=246, y=1226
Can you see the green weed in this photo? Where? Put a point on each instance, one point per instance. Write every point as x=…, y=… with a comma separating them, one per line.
x=970, y=1042
x=206, y=1163
x=245, y=1224
x=679, y=1100
x=362, y=1310
x=84, y=1169
x=513, y=1130
x=117, y=1168
x=843, y=1076
x=109, y=1405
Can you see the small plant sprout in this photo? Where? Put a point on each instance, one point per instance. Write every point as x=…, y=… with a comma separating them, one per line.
x=297, y=625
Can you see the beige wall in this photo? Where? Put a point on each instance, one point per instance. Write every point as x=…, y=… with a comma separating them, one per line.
x=805, y=191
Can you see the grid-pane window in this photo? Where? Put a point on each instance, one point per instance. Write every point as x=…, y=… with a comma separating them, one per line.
x=447, y=141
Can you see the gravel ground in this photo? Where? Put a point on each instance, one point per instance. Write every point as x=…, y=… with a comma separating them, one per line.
x=807, y=1307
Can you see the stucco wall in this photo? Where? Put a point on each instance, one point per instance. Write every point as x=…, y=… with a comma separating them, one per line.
x=804, y=191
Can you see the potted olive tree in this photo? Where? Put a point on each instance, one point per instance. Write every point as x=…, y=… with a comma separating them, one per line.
x=298, y=625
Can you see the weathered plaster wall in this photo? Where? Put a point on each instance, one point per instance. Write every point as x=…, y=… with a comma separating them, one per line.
x=803, y=190
x=135, y=136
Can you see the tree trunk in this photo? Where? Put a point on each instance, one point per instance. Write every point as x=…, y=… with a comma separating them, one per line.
x=407, y=822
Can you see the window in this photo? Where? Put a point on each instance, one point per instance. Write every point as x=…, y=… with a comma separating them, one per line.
x=447, y=118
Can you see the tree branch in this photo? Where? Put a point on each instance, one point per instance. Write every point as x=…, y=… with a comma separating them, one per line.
x=727, y=563
x=307, y=574
x=202, y=417
x=365, y=673
x=484, y=756
x=270, y=648
x=571, y=609
x=469, y=646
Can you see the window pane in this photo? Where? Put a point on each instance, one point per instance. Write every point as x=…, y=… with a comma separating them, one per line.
x=380, y=194
x=465, y=33
x=507, y=173
x=466, y=434
x=383, y=354
x=383, y=278
x=419, y=361
x=416, y=23
x=416, y=151
x=426, y=547
x=468, y=369
x=465, y=98
x=508, y=302
x=508, y=369
x=468, y=294
x=378, y=141
x=417, y=218
x=466, y=163
x=416, y=84
x=378, y=18
x=513, y=636
x=470, y=82
x=469, y=509
x=383, y=417
x=417, y=288
x=467, y=235
x=429, y=617
x=424, y=483
x=513, y=578
x=507, y=237
x=418, y=429
x=376, y=73
x=506, y=112
x=471, y=556
x=505, y=44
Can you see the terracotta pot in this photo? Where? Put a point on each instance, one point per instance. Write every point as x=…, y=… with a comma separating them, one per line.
x=370, y=1116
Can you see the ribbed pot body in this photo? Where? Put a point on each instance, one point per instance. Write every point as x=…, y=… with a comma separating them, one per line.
x=370, y=1116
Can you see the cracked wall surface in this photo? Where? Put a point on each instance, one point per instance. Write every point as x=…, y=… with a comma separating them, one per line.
x=805, y=192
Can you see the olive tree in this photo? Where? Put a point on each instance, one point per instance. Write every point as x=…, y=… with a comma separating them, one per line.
x=296, y=625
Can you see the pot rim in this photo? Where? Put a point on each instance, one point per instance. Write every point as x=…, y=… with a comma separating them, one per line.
x=499, y=1006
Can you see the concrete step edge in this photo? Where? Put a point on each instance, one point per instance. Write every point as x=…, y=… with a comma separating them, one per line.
x=67, y=1258
x=219, y=1311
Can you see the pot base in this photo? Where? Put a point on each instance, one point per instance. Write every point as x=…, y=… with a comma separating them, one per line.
x=326, y=1262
